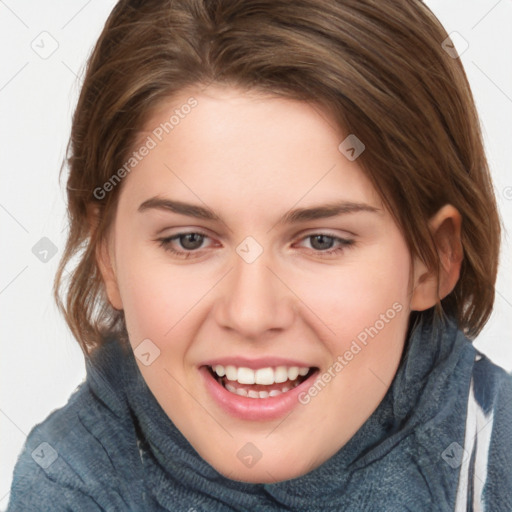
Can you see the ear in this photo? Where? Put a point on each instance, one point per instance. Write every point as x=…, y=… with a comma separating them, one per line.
x=445, y=227
x=105, y=259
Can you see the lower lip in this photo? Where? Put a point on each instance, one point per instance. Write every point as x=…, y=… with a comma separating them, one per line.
x=254, y=409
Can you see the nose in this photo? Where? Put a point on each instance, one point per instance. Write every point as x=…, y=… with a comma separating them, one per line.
x=254, y=299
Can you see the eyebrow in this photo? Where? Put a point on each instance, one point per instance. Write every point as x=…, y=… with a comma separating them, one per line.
x=291, y=217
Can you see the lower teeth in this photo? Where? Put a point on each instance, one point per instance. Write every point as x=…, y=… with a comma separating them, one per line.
x=258, y=394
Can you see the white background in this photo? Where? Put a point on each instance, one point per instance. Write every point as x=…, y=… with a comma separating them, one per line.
x=40, y=363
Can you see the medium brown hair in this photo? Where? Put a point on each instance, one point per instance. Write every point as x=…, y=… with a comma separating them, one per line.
x=380, y=69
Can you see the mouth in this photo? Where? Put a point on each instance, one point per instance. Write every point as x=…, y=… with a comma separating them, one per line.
x=260, y=384
x=262, y=394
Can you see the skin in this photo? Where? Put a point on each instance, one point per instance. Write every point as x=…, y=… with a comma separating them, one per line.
x=251, y=158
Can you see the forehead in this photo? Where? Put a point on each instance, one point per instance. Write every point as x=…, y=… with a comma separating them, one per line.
x=246, y=147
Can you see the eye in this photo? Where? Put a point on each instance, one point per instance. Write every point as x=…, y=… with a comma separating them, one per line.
x=189, y=241
x=322, y=244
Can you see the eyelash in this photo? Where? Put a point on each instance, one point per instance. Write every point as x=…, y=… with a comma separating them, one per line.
x=166, y=244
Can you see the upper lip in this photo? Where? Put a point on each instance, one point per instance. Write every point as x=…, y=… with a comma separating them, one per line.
x=254, y=364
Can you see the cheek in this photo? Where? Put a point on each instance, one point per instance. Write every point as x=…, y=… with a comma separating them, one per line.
x=368, y=289
x=156, y=295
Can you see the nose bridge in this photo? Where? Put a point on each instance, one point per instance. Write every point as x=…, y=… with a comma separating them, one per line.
x=254, y=300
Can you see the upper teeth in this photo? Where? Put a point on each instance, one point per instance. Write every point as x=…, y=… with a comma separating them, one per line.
x=262, y=375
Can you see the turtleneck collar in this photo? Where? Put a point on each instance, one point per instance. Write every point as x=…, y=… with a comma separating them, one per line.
x=431, y=380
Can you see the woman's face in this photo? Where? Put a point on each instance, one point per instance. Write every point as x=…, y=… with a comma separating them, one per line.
x=286, y=258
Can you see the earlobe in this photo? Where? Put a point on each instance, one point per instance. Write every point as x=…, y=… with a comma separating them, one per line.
x=105, y=261
x=445, y=227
